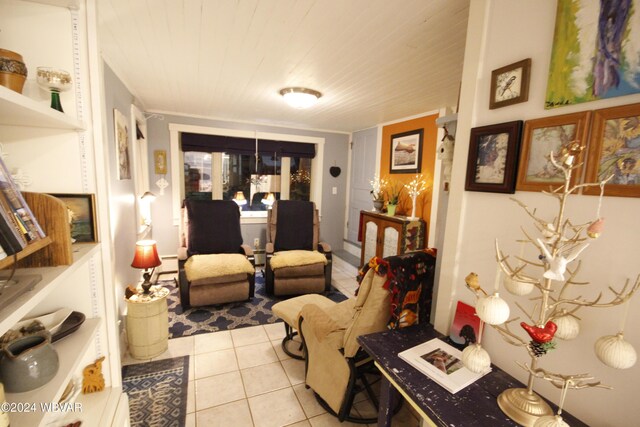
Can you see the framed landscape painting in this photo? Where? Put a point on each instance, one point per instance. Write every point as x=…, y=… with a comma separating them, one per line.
x=406, y=152
x=82, y=215
x=493, y=157
x=541, y=137
x=614, y=151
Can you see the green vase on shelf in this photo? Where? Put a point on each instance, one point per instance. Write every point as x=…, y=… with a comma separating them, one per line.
x=391, y=209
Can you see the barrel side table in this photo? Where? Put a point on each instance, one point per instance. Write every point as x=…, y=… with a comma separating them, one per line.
x=148, y=323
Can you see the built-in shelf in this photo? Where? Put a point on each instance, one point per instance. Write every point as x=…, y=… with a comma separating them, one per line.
x=70, y=351
x=98, y=408
x=71, y=4
x=13, y=311
x=19, y=110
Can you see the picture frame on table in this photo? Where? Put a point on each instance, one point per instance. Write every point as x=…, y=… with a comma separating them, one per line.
x=406, y=152
x=614, y=150
x=542, y=136
x=82, y=215
x=510, y=84
x=493, y=158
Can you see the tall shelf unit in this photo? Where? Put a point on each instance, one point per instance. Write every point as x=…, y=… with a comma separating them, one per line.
x=62, y=153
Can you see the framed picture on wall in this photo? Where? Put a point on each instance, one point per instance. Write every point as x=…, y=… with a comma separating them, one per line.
x=406, y=152
x=541, y=137
x=121, y=132
x=614, y=151
x=82, y=215
x=160, y=161
x=493, y=158
x=510, y=84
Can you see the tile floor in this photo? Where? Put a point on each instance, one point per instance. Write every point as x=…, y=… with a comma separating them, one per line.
x=243, y=378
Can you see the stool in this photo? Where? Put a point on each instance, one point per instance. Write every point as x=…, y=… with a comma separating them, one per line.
x=289, y=312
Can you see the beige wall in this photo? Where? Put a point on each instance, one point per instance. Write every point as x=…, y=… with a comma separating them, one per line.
x=502, y=32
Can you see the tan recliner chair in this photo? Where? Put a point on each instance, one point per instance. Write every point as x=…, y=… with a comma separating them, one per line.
x=334, y=360
x=297, y=261
x=395, y=292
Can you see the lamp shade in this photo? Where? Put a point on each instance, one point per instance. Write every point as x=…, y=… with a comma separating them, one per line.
x=240, y=199
x=146, y=255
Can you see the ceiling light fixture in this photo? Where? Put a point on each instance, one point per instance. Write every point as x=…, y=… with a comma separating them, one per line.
x=300, y=97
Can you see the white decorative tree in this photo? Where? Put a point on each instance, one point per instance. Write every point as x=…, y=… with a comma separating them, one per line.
x=554, y=314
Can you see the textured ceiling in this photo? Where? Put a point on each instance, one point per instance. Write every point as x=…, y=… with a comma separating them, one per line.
x=373, y=60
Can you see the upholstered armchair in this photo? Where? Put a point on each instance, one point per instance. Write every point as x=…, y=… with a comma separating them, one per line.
x=395, y=292
x=214, y=266
x=296, y=261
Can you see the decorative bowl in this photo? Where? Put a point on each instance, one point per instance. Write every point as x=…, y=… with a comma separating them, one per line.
x=13, y=71
x=54, y=79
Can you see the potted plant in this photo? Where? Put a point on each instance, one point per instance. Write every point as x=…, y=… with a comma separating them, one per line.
x=393, y=190
x=378, y=186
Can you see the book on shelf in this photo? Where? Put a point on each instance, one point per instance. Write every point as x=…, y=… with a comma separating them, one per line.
x=15, y=211
x=442, y=363
x=465, y=328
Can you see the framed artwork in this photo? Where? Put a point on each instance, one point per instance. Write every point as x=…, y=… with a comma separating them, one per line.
x=595, y=49
x=406, y=152
x=510, y=84
x=493, y=157
x=614, y=150
x=82, y=215
x=160, y=162
x=540, y=138
x=121, y=133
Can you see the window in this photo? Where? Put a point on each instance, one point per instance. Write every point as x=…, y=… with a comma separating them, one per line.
x=284, y=167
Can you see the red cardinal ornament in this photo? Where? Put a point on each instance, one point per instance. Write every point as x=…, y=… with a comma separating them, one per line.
x=541, y=335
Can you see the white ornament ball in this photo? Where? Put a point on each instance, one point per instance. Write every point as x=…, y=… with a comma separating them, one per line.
x=615, y=352
x=517, y=287
x=492, y=309
x=550, y=421
x=475, y=358
x=568, y=327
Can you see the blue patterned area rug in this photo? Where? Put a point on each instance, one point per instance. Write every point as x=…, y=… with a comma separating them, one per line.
x=157, y=392
x=213, y=318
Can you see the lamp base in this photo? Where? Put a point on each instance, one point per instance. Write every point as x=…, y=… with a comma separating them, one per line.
x=523, y=406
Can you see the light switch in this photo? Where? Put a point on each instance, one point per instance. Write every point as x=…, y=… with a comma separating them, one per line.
x=334, y=190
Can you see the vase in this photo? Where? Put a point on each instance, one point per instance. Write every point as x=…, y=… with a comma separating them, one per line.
x=391, y=209
x=413, y=216
x=378, y=204
x=13, y=71
x=28, y=363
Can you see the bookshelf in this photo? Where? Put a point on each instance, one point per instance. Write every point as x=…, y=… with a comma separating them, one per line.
x=61, y=153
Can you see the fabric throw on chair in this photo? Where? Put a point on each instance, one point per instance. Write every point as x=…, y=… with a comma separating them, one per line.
x=157, y=392
x=220, y=317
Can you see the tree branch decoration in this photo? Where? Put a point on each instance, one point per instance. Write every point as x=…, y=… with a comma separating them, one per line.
x=560, y=244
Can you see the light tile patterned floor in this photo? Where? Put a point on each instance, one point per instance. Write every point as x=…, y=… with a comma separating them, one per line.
x=243, y=378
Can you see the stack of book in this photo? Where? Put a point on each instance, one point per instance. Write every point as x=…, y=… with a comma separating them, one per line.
x=18, y=225
x=442, y=363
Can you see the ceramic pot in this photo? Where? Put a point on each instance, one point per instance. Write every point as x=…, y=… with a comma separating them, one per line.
x=13, y=71
x=378, y=204
x=391, y=209
x=28, y=363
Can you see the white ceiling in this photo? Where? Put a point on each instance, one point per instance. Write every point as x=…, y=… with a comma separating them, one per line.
x=374, y=60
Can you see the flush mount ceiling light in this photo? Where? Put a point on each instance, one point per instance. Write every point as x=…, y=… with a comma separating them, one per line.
x=300, y=97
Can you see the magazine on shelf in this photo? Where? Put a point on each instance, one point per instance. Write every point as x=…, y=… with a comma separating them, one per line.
x=16, y=210
x=442, y=363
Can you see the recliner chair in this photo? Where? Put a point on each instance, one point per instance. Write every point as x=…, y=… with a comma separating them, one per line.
x=395, y=292
x=296, y=261
x=214, y=266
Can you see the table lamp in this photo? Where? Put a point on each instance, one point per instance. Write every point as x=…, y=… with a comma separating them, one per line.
x=240, y=199
x=146, y=257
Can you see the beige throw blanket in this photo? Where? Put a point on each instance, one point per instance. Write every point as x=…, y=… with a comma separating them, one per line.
x=216, y=265
x=296, y=258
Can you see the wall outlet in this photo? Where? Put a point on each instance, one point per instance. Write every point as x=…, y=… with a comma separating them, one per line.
x=256, y=242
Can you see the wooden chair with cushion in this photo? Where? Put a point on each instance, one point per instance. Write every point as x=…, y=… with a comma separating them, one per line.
x=296, y=261
x=214, y=266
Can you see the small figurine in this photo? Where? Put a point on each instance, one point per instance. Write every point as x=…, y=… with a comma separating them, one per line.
x=92, y=378
x=558, y=264
x=472, y=281
x=541, y=335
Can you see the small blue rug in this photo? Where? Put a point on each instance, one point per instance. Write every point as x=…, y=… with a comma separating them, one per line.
x=220, y=317
x=157, y=392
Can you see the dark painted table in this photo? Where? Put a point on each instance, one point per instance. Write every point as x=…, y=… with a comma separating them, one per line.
x=473, y=405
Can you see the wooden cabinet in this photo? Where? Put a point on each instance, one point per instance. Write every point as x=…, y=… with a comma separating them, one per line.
x=384, y=235
x=61, y=152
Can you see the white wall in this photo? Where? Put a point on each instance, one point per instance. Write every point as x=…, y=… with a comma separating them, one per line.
x=502, y=32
